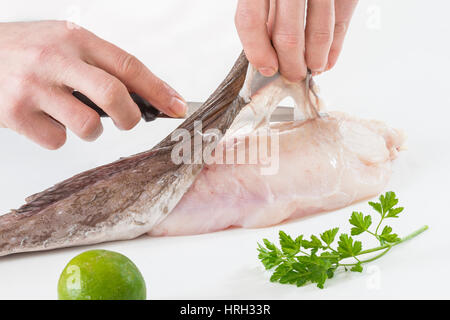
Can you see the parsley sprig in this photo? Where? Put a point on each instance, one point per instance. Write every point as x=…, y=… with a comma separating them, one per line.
x=300, y=261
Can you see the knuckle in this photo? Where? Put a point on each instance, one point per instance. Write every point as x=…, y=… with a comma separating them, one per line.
x=41, y=53
x=15, y=112
x=245, y=20
x=110, y=91
x=162, y=93
x=129, y=65
x=66, y=24
x=22, y=86
x=321, y=37
x=340, y=28
x=294, y=74
x=44, y=53
x=287, y=40
x=67, y=29
x=159, y=87
x=16, y=108
x=89, y=126
x=64, y=28
x=51, y=49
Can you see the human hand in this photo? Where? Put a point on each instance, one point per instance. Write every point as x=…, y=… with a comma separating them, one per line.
x=41, y=63
x=275, y=36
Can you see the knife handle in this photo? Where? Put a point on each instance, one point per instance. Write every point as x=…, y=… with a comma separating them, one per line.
x=148, y=111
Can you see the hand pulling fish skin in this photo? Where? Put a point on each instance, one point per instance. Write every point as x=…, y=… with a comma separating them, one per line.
x=121, y=200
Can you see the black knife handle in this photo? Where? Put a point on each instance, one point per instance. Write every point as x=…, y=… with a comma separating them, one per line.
x=148, y=111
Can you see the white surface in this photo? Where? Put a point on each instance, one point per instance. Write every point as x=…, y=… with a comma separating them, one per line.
x=394, y=68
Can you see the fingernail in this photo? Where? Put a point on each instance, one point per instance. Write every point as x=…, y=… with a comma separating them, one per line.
x=267, y=71
x=178, y=107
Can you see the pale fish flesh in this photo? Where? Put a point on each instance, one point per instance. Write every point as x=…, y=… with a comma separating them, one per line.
x=323, y=163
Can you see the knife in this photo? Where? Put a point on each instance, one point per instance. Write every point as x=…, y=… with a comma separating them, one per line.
x=150, y=113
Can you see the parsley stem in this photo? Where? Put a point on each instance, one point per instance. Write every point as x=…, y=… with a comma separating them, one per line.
x=335, y=251
x=370, y=232
x=408, y=237
x=368, y=260
x=378, y=226
x=377, y=256
x=305, y=253
x=387, y=246
x=414, y=234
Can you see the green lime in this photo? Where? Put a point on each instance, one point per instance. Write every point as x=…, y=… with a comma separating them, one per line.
x=101, y=275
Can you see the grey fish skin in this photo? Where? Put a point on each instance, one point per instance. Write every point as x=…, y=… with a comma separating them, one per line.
x=124, y=199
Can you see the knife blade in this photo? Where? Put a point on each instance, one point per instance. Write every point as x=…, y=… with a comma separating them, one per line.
x=150, y=113
x=281, y=113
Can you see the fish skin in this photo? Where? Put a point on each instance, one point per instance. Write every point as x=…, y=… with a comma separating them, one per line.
x=124, y=199
x=135, y=195
x=325, y=164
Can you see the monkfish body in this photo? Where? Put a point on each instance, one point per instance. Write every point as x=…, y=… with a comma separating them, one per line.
x=322, y=163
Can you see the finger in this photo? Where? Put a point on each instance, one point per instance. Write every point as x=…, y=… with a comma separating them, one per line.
x=271, y=16
x=105, y=90
x=289, y=39
x=251, y=24
x=135, y=75
x=80, y=119
x=37, y=126
x=47, y=132
x=343, y=13
x=319, y=33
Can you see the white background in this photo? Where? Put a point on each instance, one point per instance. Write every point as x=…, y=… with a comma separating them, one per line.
x=394, y=67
